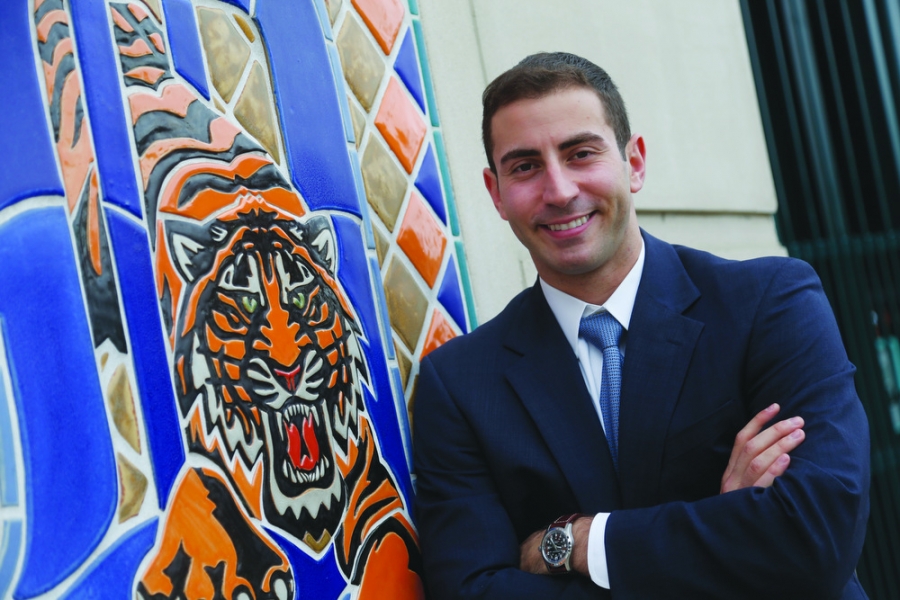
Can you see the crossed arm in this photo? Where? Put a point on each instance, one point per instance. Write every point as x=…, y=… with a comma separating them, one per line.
x=758, y=457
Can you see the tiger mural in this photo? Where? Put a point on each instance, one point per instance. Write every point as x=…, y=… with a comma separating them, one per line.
x=268, y=364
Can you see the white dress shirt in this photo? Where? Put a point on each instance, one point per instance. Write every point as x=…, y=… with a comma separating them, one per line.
x=569, y=311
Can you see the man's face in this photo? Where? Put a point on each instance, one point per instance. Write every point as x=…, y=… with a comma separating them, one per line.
x=563, y=185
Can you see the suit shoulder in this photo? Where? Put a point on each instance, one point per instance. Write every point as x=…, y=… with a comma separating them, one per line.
x=487, y=337
x=757, y=273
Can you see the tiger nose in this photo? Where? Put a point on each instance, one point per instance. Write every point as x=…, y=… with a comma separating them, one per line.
x=290, y=378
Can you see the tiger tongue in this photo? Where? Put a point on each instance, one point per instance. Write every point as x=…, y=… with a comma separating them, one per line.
x=305, y=461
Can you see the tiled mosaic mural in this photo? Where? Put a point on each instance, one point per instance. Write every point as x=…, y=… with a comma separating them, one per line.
x=226, y=238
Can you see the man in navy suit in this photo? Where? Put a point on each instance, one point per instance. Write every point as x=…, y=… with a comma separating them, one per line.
x=641, y=440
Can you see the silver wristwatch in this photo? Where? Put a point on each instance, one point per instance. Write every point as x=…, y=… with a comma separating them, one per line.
x=558, y=543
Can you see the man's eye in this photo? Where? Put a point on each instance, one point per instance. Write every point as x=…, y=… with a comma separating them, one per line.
x=250, y=304
x=523, y=168
x=582, y=154
x=299, y=300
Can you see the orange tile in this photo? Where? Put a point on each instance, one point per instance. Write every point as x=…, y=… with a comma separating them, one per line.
x=421, y=239
x=384, y=18
x=438, y=333
x=399, y=122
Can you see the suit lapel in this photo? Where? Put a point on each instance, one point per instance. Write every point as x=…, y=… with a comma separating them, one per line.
x=549, y=383
x=660, y=344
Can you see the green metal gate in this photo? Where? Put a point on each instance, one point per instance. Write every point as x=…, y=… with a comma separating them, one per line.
x=828, y=79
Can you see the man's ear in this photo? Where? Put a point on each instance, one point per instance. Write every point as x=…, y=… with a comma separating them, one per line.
x=636, y=155
x=493, y=188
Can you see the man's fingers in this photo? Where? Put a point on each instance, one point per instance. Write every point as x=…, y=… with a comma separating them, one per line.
x=777, y=469
x=765, y=460
x=755, y=452
x=746, y=434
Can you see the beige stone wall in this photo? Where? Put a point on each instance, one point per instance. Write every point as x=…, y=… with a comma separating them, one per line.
x=684, y=71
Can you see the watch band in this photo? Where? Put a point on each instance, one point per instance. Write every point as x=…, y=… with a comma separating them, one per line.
x=558, y=543
x=566, y=520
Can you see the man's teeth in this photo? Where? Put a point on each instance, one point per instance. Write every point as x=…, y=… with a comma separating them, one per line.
x=569, y=225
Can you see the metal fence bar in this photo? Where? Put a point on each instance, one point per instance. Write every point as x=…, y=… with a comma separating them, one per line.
x=828, y=78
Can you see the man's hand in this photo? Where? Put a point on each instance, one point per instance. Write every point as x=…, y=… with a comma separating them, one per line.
x=531, y=561
x=758, y=457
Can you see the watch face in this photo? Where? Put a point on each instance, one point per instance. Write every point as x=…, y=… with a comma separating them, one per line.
x=556, y=546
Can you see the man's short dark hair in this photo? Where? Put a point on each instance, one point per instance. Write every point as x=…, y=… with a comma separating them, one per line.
x=544, y=73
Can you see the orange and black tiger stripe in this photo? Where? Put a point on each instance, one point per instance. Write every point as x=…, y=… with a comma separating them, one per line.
x=193, y=161
x=74, y=147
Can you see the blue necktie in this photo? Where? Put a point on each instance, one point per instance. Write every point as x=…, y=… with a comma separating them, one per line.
x=603, y=331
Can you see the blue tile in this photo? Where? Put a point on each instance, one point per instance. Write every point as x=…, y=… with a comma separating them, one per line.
x=382, y=308
x=313, y=578
x=413, y=7
x=245, y=4
x=103, y=94
x=184, y=43
x=407, y=67
x=11, y=544
x=402, y=415
x=387, y=428
x=9, y=479
x=307, y=99
x=324, y=20
x=361, y=194
x=450, y=296
x=31, y=169
x=148, y=348
x=112, y=575
x=354, y=277
x=66, y=447
x=353, y=274
x=342, y=92
x=428, y=181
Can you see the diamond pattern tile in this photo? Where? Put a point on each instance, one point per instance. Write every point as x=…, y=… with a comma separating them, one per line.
x=428, y=182
x=406, y=301
x=255, y=112
x=384, y=182
x=439, y=332
x=450, y=296
x=358, y=119
x=363, y=66
x=422, y=239
x=400, y=124
x=226, y=50
x=384, y=18
x=407, y=67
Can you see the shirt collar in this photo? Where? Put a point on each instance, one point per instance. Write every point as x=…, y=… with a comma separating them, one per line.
x=569, y=310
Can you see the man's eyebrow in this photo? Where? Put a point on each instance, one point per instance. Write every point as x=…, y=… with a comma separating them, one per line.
x=518, y=153
x=582, y=138
x=575, y=140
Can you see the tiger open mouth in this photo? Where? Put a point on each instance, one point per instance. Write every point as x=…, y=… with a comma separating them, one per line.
x=301, y=434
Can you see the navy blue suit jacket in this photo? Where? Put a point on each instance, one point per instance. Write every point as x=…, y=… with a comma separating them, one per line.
x=507, y=439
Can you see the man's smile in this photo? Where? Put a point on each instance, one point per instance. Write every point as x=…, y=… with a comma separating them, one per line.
x=569, y=224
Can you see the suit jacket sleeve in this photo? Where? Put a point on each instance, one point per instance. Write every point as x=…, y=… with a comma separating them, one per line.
x=799, y=538
x=469, y=544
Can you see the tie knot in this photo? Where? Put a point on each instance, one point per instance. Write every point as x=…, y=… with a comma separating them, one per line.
x=601, y=329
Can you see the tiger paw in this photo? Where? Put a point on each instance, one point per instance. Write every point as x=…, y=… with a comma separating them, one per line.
x=211, y=549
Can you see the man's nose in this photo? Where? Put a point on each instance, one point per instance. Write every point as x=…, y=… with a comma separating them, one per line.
x=559, y=187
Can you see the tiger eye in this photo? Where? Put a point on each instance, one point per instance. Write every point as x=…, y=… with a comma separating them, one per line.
x=249, y=303
x=299, y=301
